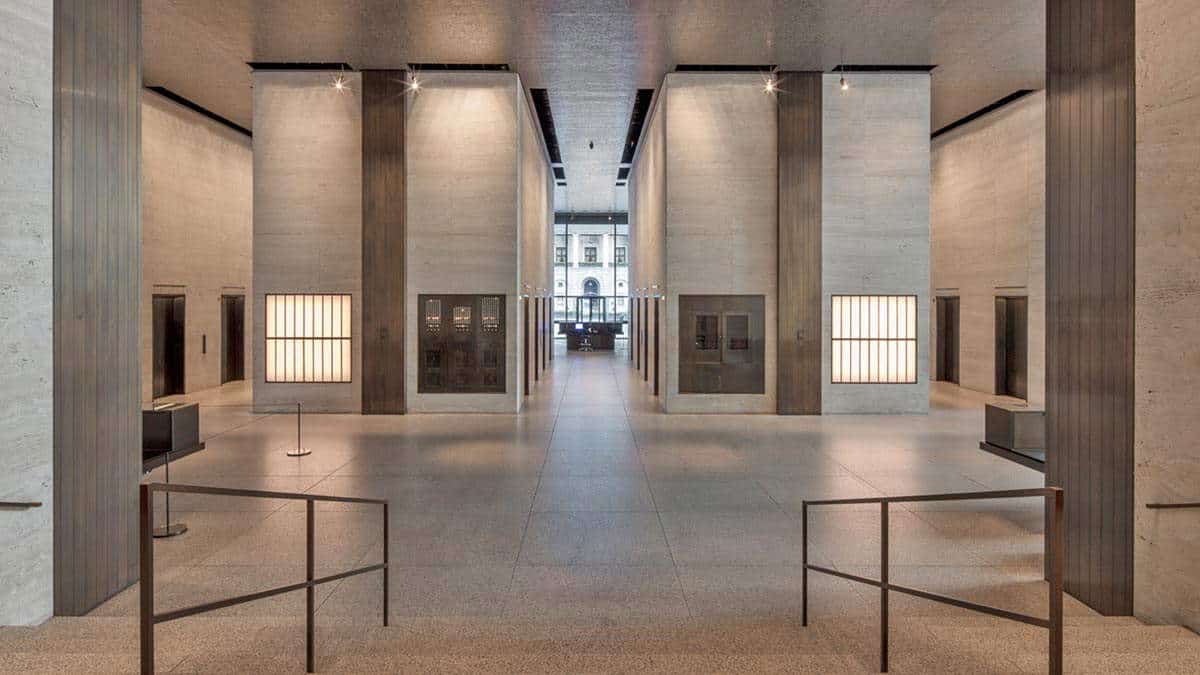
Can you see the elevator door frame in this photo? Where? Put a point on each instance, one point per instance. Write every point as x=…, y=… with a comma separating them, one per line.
x=227, y=369
x=1012, y=359
x=160, y=387
x=948, y=358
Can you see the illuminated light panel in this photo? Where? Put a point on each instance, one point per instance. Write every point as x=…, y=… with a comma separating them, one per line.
x=874, y=339
x=308, y=338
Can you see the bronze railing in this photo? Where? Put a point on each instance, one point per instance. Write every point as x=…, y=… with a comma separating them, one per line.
x=1054, y=553
x=146, y=542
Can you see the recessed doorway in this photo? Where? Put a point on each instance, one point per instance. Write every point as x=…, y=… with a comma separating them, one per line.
x=1012, y=346
x=233, y=338
x=947, y=340
x=168, y=355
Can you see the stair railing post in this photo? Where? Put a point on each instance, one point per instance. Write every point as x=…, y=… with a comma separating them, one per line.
x=804, y=563
x=883, y=586
x=310, y=592
x=1057, y=552
x=146, y=584
x=387, y=570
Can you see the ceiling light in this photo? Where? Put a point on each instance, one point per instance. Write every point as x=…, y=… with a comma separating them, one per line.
x=770, y=87
x=413, y=83
x=339, y=83
x=845, y=84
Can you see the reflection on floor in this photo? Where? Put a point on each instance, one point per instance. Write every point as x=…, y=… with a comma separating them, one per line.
x=591, y=533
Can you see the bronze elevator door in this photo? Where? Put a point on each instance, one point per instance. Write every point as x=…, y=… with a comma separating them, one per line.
x=1012, y=346
x=461, y=344
x=721, y=344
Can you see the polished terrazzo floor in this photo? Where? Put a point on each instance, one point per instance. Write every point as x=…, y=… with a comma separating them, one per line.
x=591, y=533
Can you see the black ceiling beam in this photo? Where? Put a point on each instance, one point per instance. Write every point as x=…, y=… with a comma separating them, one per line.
x=541, y=105
x=883, y=68
x=196, y=107
x=1015, y=96
x=298, y=65
x=725, y=68
x=637, y=119
x=501, y=67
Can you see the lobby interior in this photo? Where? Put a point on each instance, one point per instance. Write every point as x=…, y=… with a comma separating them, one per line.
x=598, y=298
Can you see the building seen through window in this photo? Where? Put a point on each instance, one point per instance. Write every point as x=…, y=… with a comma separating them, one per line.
x=591, y=260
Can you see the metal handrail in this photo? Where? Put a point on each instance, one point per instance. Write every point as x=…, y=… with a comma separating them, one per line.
x=1054, y=552
x=148, y=619
x=1173, y=505
x=19, y=505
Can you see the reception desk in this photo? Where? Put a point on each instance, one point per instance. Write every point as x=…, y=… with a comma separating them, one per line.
x=1016, y=432
x=174, y=429
x=598, y=336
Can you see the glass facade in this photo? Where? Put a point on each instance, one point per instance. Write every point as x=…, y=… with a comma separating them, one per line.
x=591, y=272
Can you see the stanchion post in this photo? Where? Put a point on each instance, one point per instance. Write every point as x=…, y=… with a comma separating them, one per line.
x=300, y=450
x=883, y=587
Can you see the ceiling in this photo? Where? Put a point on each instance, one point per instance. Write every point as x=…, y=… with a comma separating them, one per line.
x=592, y=55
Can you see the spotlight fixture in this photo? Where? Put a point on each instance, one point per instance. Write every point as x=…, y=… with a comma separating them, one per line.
x=413, y=83
x=770, y=87
x=339, y=83
x=845, y=84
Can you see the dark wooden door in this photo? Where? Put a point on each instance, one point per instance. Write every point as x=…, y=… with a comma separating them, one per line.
x=168, y=352
x=233, y=338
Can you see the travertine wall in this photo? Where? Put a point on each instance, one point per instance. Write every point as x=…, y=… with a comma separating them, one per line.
x=537, y=218
x=648, y=214
x=26, y=302
x=875, y=212
x=721, y=215
x=988, y=234
x=1167, y=355
x=197, y=216
x=307, y=214
x=464, y=213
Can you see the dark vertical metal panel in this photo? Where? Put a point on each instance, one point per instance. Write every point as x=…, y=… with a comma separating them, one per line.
x=1090, y=177
x=97, y=287
x=799, y=303
x=384, y=228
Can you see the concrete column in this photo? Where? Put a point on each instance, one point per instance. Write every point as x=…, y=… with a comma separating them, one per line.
x=1167, y=357
x=26, y=272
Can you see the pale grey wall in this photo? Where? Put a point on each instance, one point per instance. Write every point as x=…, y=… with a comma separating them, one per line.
x=647, y=196
x=1167, y=353
x=537, y=217
x=988, y=234
x=721, y=215
x=26, y=302
x=464, y=213
x=197, y=215
x=875, y=211
x=307, y=214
